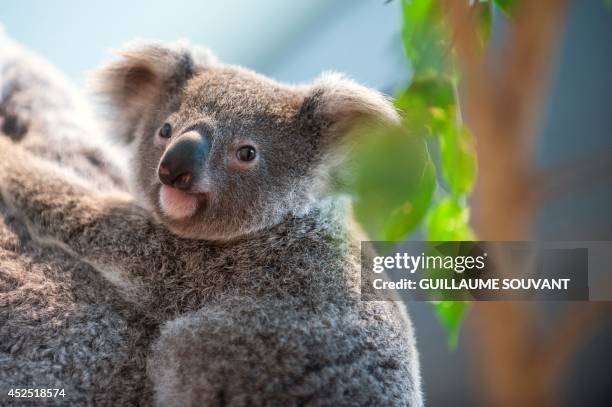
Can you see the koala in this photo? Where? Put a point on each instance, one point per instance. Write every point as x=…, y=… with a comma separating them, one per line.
x=62, y=325
x=228, y=241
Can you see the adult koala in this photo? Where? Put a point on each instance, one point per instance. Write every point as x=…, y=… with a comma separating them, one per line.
x=61, y=325
x=254, y=275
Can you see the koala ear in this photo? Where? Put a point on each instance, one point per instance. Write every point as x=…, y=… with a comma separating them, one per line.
x=335, y=105
x=145, y=71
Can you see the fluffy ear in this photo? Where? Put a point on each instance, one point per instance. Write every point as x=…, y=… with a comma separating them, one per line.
x=335, y=105
x=146, y=70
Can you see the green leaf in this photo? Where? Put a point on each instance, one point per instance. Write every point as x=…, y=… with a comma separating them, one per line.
x=409, y=214
x=428, y=90
x=430, y=107
x=448, y=220
x=426, y=102
x=451, y=314
x=424, y=37
x=457, y=156
x=392, y=179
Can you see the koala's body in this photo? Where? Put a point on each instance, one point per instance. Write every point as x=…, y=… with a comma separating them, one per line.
x=62, y=325
x=231, y=248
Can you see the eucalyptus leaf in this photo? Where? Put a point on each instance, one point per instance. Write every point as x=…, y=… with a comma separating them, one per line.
x=391, y=178
x=424, y=37
x=451, y=314
x=457, y=156
x=390, y=173
x=426, y=102
x=448, y=220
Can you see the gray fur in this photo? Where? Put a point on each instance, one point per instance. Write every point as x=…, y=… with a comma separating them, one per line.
x=258, y=290
x=61, y=324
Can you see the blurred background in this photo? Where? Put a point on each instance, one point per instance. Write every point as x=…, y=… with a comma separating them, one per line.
x=296, y=41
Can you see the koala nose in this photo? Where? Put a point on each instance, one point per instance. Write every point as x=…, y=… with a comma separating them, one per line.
x=183, y=161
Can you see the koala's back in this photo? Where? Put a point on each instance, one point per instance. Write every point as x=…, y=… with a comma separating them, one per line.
x=61, y=325
x=287, y=326
x=252, y=353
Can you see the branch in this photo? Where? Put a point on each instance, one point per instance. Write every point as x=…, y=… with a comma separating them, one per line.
x=528, y=55
x=501, y=108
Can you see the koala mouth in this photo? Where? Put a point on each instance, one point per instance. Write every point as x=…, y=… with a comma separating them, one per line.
x=177, y=204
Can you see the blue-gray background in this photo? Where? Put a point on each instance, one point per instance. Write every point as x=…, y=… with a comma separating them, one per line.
x=295, y=40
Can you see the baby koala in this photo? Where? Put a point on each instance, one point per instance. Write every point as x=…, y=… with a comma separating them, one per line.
x=252, y=275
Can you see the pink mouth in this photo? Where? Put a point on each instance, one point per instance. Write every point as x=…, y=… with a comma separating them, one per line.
x=177, y=204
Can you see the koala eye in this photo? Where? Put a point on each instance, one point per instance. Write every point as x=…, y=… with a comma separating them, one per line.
x=246, y=153
x=165, y=131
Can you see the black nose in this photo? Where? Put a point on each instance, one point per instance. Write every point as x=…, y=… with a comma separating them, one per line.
x=182, y=163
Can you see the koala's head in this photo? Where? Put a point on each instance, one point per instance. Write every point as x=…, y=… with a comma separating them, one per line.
x=221, y=151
